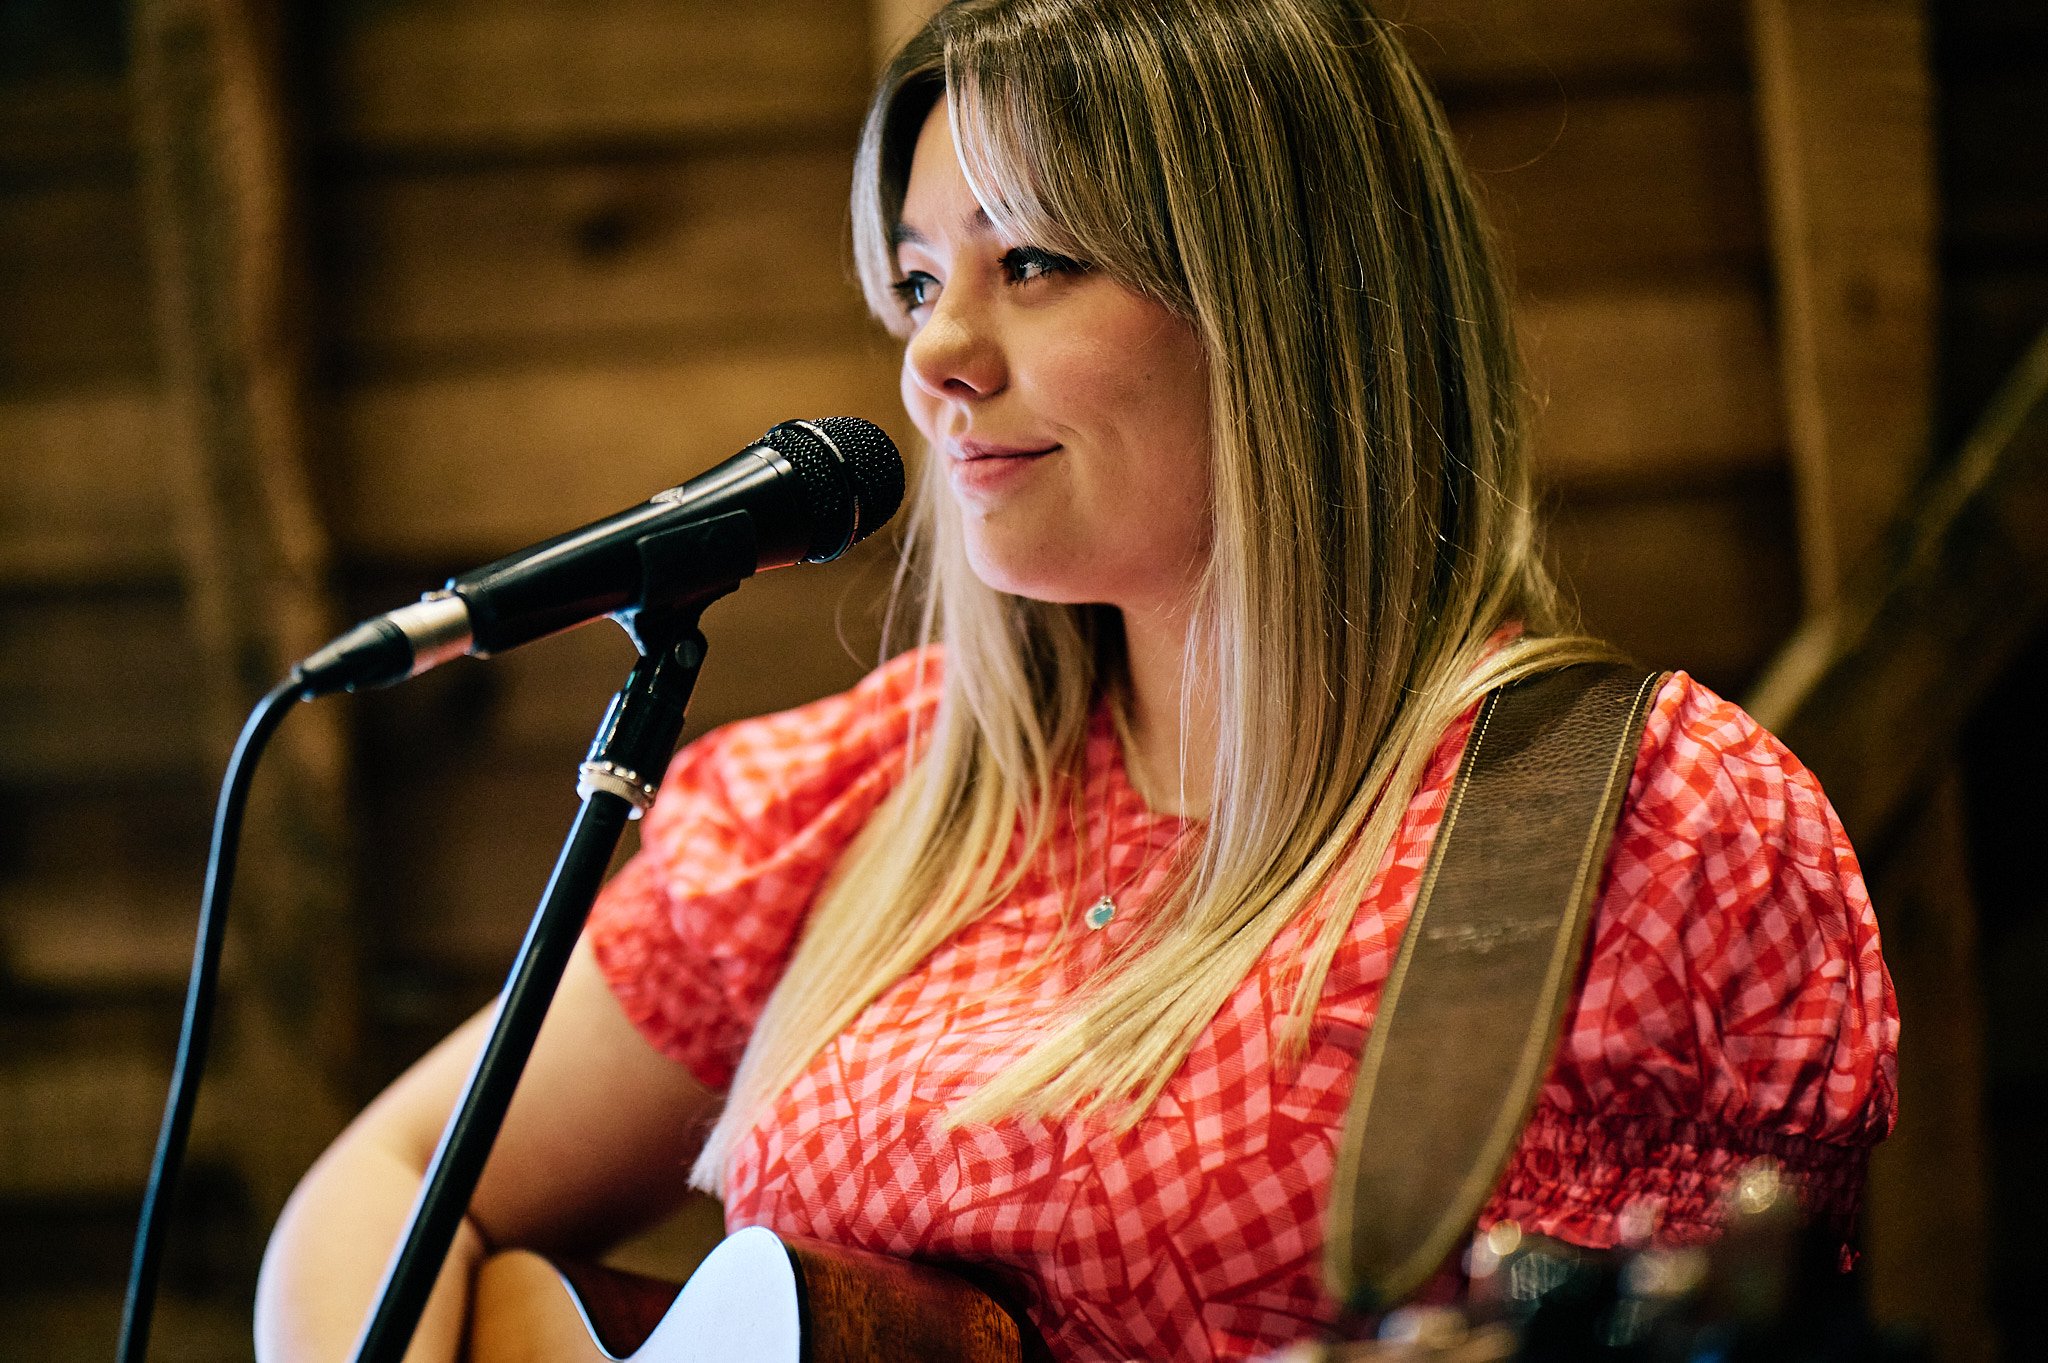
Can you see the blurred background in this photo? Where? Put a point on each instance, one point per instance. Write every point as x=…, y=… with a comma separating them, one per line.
x=303, y=307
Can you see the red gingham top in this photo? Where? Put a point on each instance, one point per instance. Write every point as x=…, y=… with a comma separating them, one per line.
x=1734, y=1005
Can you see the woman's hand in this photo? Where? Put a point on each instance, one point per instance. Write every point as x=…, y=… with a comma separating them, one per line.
x=597, y=1144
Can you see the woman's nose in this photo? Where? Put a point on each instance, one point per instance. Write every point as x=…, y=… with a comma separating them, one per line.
x=956, y=353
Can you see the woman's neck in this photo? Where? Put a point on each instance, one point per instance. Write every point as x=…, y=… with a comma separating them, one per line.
x=1171, y=715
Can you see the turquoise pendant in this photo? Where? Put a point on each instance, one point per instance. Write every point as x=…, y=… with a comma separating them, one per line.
x=1101, y=912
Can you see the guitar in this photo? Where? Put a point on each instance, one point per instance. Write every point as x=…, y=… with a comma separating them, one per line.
x=1769, y=1290
x=757, y=1298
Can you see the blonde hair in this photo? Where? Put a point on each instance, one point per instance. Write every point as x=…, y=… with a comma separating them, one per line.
x=1277, y=175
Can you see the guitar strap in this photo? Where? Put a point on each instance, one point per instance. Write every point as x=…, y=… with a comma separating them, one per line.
x=1488, y=963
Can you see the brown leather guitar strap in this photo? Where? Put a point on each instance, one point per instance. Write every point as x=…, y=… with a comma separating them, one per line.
x=1487, y=965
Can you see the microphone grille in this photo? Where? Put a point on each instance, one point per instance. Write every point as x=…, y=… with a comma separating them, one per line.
x=873, y=467
x=828, y=495
x=852, y=478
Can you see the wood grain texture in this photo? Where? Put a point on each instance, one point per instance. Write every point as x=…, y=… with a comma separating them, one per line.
x=104, y=687
x=1512, y=44
x=74, y=283
x=1620, y=187
x=225, y=255
x=1647, y=384
x=1926, y=1208
x=1873, y=692
x=492, y=74
x=1845, y=115
x=475, y=260
x=649, y=252
x=473, y=464
x=1702, y=579
x=84, y=484
x=1846, y=124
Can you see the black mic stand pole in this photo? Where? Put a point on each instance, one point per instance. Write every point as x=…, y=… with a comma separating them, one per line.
x=617, y=782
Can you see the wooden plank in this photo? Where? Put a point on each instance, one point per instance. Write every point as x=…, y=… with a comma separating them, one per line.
x=89, y=938
x=74, y=283
x=1990, y=317
x=498, y=74
x=651, y=251
x=83, y=486
x=104, y=687
x=492, y=74
x=62, y=122
x=1845, y=104
x=78, y=1126
x=1652, y=384
x=1699, y=578
x=656, y=250
x=1617, y=188
x=1495, y=44
x=468, y=466
x=1845, y=111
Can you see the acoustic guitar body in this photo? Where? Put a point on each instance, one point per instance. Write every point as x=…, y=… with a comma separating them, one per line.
x=757, y=1298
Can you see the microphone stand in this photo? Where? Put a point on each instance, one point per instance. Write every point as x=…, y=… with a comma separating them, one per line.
x=617, y=782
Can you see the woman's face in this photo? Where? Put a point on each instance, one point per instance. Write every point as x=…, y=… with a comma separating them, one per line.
x=1071, y=414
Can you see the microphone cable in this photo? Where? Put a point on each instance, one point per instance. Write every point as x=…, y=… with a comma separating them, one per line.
x=200, y=990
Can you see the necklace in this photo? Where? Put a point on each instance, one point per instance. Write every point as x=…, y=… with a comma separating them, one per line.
x=1102, y=910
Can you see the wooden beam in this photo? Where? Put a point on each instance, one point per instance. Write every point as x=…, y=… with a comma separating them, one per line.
x=1873, y=692
x=216, y=176
x=1846, y=127
x=1845, y=118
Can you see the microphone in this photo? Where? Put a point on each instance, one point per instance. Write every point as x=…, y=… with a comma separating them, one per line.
x=805, y=492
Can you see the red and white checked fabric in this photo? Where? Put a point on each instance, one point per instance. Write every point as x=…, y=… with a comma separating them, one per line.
x=1734, y=1005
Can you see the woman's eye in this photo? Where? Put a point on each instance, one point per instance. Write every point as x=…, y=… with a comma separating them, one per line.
x=1025, y=263
x=915, y=290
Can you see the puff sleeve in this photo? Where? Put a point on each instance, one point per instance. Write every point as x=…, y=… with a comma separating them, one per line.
x=695, y=930
x=1734, y=1005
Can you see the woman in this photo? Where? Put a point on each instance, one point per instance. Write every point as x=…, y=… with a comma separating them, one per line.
x=1052, y=944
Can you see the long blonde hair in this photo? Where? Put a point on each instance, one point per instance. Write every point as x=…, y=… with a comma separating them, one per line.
x=1277, y=175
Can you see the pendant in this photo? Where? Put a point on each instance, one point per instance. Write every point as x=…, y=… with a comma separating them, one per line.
x=1101, y=912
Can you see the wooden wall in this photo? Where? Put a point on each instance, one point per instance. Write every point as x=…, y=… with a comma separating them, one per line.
x=563, y=255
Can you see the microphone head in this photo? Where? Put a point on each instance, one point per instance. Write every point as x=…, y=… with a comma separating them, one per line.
x=851, y=474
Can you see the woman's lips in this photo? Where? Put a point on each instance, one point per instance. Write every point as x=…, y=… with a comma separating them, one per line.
x=970, y=450
x=980, y=469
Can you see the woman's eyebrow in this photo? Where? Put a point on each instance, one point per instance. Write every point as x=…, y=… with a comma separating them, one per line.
x=903, y=234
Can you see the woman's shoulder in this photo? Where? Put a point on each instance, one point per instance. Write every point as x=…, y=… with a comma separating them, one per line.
x=1734, y=1004
x=1732, y=892
x=1706, y=768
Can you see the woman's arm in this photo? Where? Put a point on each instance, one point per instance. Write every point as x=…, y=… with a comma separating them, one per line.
x=597, y=1144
